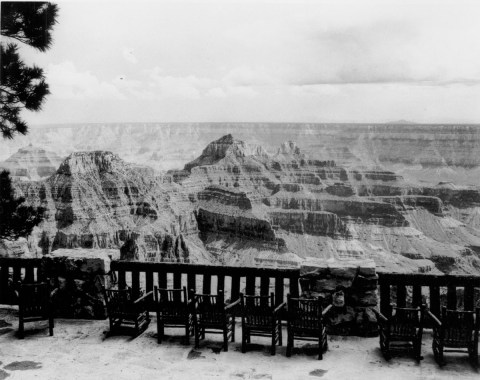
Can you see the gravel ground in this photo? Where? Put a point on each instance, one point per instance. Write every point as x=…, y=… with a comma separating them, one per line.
x=80, y=350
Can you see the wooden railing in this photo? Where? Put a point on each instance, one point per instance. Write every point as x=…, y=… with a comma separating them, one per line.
x=437, y=290
x=13, y=270
x=209, y=279
x=453, y=291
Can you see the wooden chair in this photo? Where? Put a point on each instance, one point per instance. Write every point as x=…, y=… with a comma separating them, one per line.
x=173, y=310
x=403, y=330
x=306, y=322
x=211, y=315
x=260, y=317
x=34, y=304
x=457, y=331
x=125, y=308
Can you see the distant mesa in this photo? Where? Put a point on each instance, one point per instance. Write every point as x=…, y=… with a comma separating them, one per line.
x=31, y=163
x=401, y=122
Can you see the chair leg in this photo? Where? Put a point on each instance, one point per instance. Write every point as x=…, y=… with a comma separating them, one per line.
x=50, y=326
x=21, y=329
x=280, y=335
x=320, y=347
x=233, y=329
x=225, y=338
x=187, y=332
x=244, y=340
x=274, y=341
x=289, y=344
x=197, y=332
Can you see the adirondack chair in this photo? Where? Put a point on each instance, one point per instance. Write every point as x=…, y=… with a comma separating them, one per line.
x=34, y=304
x=457, y=331
x=173, y=310
x=213, y=316
x=125, y=308
x=403, y=330
x=306, y=322
x=260, y=317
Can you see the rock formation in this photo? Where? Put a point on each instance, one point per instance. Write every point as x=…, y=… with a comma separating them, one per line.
x=337, y=193
x=31, y=163
x=96, y=200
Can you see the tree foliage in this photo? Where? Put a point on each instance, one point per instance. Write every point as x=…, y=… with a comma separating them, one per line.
x=16, y=219
x=22, y=86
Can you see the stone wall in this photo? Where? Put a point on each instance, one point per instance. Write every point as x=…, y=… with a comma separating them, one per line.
x=351, y=286
x=77, y=279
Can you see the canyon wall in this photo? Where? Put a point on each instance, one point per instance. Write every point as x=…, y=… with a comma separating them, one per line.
x=338, y=192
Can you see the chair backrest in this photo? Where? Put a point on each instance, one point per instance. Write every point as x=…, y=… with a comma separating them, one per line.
x=305, y=313
x=257, y=310
x=458, y=325
x=34, y=299
x=119, y=300
x=405, y=321
x=171, y=302
x=210, y=308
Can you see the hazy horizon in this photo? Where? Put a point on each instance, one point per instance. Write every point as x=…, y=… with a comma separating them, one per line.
x=265, y=61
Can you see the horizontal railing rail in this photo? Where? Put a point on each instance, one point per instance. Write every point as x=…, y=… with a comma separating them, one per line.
x=14, y=270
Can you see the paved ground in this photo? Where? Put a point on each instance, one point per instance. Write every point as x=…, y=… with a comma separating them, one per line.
x=79, y=350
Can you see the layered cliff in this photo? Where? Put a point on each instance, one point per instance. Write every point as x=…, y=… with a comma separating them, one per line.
x=31, y=163
x=96, y=200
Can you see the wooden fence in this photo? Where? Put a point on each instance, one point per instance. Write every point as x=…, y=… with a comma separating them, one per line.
x=434, y=290
x=453, y=291
x=209, y=279
x=13, y=270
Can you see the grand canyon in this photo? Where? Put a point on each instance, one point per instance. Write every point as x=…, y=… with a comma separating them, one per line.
x=255, y=194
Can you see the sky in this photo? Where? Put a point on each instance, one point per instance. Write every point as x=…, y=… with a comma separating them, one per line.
x=265, y=61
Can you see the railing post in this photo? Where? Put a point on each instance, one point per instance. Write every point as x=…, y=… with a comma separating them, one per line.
x=417, y=296
x=135, y=282
x=279, y=287
x=207, y=283
x=384, y=298
x=401, y=295
x=192, y=282
x=221, y=284
x=122, y=282
x=235, y=287
x=294, y=286
x=435, y=300
x=468, y=298
x=452, y=297
x=4, y=296
x=250, y=285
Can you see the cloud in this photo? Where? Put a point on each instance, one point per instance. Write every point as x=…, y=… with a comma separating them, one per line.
x=67, y=82
x=128, y=55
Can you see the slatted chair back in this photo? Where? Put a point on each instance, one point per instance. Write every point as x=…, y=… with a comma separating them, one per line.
x=305, y=313
x=405, y=322
x=34, y=300
x=172, y=303
x=210, y=309
x=119, y=301
x=258, y=310
x=458, y=327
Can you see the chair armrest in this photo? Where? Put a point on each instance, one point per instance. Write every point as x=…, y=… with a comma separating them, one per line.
x=143, y=297
x=434, y=319
x=232, y=304
x=279, y=307
x=326, y=310
x=380, y=317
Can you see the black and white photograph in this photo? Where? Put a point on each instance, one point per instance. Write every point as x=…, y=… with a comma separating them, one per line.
x=226, y=189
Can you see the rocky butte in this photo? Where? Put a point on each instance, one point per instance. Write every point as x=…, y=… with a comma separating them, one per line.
x=240, y=203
